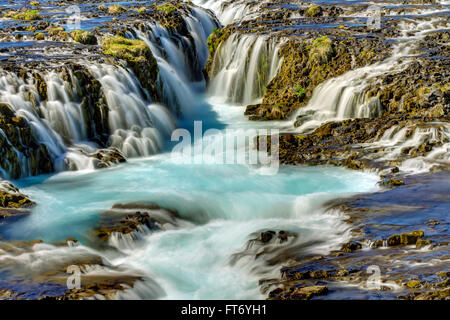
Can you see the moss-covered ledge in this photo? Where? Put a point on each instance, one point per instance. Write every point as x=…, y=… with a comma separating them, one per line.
x=138, y=56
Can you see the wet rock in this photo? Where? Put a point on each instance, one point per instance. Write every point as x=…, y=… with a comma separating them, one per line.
x=108, y=157
x=394, y=240
x=84, y=37
x=351, y=246
x=282, y=236
x=411, y=238
x=422, y=243
x=267, y=236
x=306, y=293
x=314, y=11
x=413, y=284
x=16, y=136
x=126, y=224
x=276, y=293
x=10, y=197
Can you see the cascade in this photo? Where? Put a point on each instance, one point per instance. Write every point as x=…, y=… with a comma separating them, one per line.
x=242, y=67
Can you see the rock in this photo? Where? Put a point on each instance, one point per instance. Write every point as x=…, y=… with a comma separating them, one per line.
x=314, y=11
x=394, y=240
x=84, y=37
x=108, y=157
x=306, y=293
x=378, y=243
x=318, y=274
x=393, y=182
x=266, y=236
x=413, y=284
x=422, y=243
x=125, y=224
x=322, y=50
x=10, y=197
x=275, y=293
x=116, y=9
x=351, y=246
x=411, y=238
x=283, y=236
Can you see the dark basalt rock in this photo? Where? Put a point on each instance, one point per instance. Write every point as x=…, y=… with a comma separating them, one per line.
x=134, y=218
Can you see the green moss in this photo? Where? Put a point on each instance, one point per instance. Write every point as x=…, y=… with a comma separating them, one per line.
x=216, y=37
x=322, y=50
x=55, y=31
x=84, y=37
x=142, y=10
x=126, y=49
x=314, y=11
x=167, y=8
x=116, y=9
x=12, y=200
x=300, y=92
x=395, y=182
x=27, y=15
x=413, y=284
x=39, y=36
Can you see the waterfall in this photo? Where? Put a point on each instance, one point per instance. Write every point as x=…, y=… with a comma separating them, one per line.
x=24, y=99
x=242, y=68
x=180, y=59
x=230, y=11
x=62, y=109
x=396, y=142
x=137, y=128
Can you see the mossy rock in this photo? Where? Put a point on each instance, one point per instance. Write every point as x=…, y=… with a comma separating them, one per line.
x=394, y=240
x=314, y=11
x=306, y=293
x=55, y=31
x=217, y=37
x=351, y=246
x=167, y=8
x=139, y=57
x=84, y=37
x=14, y=200
x=26, y=15
x=413, y=284
x=126, y=49
x=422, y=243
x=39, y=36
x=142, y=10
x=411, y=238
x=6, y=111
x=116, y=9
x=322, y=50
